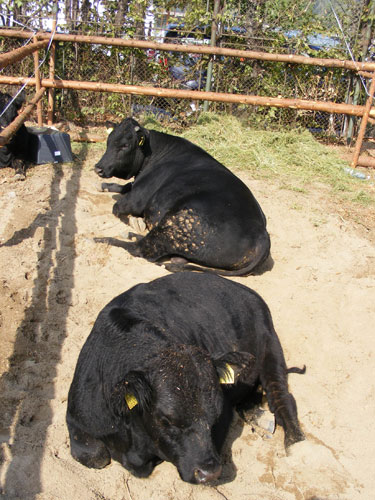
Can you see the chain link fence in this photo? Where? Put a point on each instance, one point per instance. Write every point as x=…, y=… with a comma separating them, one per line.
x=102, y=63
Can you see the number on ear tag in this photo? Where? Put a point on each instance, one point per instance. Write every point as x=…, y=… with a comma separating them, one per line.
x=131, y=401
x=228, y=375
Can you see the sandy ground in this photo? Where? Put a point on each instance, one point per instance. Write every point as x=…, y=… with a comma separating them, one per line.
x=55, y=279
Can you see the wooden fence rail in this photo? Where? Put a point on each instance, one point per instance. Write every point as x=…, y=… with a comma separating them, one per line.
x=366, y=68
x=11, y=129
x=18, y=54
x=253, y=100
x=196, y=49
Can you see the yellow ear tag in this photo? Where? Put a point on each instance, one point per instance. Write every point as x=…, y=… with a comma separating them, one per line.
x=228, y=375
x=109, y=130
x=131, y=401
x=141, y=141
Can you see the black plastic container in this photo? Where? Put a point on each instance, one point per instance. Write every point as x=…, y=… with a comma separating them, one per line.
x=47, y=145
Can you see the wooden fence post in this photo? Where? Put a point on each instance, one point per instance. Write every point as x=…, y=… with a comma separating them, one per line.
x=38, y=86
x=362, y=129
x=51, y=91
x=213, y=44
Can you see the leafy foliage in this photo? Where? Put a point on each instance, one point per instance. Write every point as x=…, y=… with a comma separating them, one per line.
x=293, y=159
x=292, y=26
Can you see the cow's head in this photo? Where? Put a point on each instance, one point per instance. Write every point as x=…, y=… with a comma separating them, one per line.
x=126, y=148
x=180, y=401
x=9, y=109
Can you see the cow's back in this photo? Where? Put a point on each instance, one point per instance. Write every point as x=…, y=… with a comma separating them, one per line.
x=199, y=309
x=188, y=308
x=179, y=171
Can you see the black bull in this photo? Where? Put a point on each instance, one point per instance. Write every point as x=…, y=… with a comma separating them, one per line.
x=195, y=208
x=15, y=152
x=150, y=382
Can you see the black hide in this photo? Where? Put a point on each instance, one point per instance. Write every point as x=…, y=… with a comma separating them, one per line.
x=147, y=383
x=15, y=152
x=193, y=206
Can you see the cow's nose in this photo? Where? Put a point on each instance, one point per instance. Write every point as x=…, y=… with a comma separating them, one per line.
x=204, y=476
x=98, y=170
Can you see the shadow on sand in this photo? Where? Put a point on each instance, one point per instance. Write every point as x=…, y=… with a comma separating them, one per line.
x=28, y=386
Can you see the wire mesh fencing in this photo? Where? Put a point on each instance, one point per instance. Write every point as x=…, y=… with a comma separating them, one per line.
x=232, y=75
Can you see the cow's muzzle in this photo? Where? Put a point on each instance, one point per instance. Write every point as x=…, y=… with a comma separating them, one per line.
x=99, y=171
x=201, y=475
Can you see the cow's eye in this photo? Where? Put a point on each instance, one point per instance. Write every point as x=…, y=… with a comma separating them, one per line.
x=165, y=421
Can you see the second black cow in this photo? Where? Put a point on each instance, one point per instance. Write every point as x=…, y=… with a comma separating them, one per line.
x=162, y=369
x=15, y=152
x=195, y=209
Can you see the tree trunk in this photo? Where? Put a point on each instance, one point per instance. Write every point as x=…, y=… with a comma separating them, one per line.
x=120, y=15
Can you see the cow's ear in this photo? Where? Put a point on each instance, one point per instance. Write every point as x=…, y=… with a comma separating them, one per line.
x=141, y=140
x=141, y=135
x=233, y=366
x=132, y=393
x=109, y=126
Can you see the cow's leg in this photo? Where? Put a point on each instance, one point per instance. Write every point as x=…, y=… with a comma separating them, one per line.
x=137, y=465
x=126, y=206
x=87, y=450
x=112, y=187
x=19, y=166
x=180, y=234
x=134, y=454
x=157, y=245
x=280, y=401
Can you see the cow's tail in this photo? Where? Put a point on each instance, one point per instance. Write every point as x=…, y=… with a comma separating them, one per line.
x=295, y=369
x=262, y=251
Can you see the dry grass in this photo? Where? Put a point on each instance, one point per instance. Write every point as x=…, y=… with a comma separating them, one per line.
x=294, y=160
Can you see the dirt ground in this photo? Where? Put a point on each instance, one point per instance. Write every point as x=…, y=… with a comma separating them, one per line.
x=55, y=278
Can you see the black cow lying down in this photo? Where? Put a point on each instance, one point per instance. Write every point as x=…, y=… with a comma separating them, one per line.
x=162, y=369
x=14, y=154
x=194, y=207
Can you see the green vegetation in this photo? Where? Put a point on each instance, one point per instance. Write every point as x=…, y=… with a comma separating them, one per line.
x=294, y=159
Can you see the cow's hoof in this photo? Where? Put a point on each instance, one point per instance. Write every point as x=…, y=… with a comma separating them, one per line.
x=176, y=265
x=293, y=437
x=133, y=237
x=259, y=418
x=116, y=210
x=104, y=187
x=20, y=176
x=137, y=223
